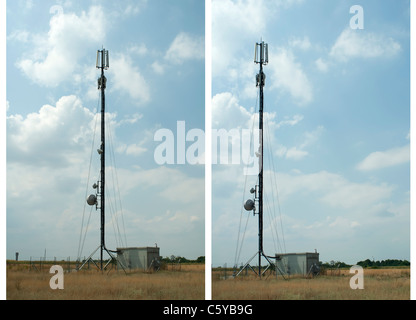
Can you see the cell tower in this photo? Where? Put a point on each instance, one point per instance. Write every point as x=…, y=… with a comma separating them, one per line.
x=98, y=199
x=261, y=57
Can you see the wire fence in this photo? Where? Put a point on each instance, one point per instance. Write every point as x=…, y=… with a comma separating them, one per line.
x=71, y=264
x=43, y=264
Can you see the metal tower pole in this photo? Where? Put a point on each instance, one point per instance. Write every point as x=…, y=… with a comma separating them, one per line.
x=103, y=85
x=92, y=200
x=260, y=195
x=261, y=56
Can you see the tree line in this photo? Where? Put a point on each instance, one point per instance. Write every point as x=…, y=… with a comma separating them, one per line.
x=384, y=263
x=178, y=259
x=368, y=263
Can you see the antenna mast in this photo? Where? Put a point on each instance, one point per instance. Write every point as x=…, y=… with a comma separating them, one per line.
x=102, y=81
x=103, y=64
x=261, y=57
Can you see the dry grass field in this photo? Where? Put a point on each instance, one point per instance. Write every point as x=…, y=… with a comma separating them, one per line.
x=188, y=283
x=379, y=284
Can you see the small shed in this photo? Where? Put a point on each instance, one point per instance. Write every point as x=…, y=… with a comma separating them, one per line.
x=139, y=257
x=298, y=263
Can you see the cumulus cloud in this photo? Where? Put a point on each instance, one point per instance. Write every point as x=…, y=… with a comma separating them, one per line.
x=322, y=65
x=236, y=24
x=185, y=47
x=127, y=78
x=55, y=55
x=47, y=163
x=55, y=135
x=362, y=44
x=232, y=23
x=300, y=43
x=288, y=76
x=228, y=113
x=354, y=44
x=158, y=67
x=384, y=159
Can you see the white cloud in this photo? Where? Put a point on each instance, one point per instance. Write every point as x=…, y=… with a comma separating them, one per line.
x=47, y=163
x=299, y=152
x=312, y=136
x=384, y=159
x=185, y=47
x=55, y=55
x=60, y=136
x=232, y=23
x=132, y=118
x=139, y=49
x=291, y=122
x=248, y=16
x=296, y=154
x=49, y=137
x=180, y=201
x=48, y=153
x=29, y=4
x=322, y=65
x=333, y=207
x=135, y=149
x=227, y=113
x=303, y=44
x=363, y=44
x=288, y=75
x=127, y=78
x=158, y=67
x=236, y=24
x=136, y=8
x=19, y=35
x=335, y=191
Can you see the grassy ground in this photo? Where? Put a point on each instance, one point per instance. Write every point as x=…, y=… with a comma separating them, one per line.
x=385, y=284
x=187, y=283
x=184, y=284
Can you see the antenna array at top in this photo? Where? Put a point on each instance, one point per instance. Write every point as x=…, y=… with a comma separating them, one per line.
x=102, y=59
x=261, y=53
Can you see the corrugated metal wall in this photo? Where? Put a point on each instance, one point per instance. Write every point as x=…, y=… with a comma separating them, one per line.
x=297, y=263
x=137, y=257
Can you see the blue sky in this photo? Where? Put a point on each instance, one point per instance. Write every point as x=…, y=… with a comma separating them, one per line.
x=156, y=78
x=337, y=106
